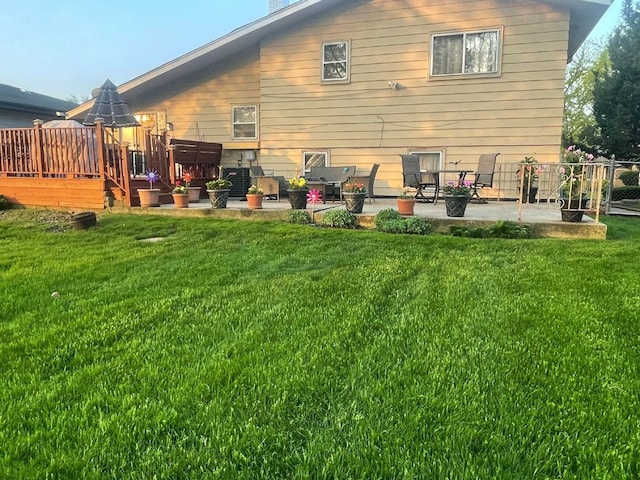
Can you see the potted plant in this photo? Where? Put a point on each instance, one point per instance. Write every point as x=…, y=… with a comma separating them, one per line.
x=255, y=196
x=456, y=197
x=194, y=192
x=150, y=197
x=218, y=191
x=573, y=184
x=528, y=173
x=354, y=195
x=406, y=203
x=297, y=193
x=180, y=195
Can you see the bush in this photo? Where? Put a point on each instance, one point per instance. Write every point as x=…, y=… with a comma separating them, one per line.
x=502, y=229
x=301, y=217
x=626, y=192
x=417, y=226
x=390, y=221
x=339, y=219
x=629, y=178
x=4, y=203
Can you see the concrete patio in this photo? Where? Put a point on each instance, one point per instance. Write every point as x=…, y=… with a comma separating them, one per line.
x=543, y=217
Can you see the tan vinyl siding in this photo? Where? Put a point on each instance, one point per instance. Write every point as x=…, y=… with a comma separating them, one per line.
x=364, y=121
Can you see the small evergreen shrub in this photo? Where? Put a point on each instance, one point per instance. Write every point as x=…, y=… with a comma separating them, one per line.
x=384, y=216
x=417, y=226
x=390, y=221
x=301, y=217
x=339, y=219
x=624, y=193
x=629, y=178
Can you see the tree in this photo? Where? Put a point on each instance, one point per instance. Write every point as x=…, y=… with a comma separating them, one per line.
x=78, y=100
x=579, y=126
x=616, y=94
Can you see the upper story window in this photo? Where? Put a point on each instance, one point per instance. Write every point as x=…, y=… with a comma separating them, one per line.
x=245, y=122
x=465, y=53
x=335, y=61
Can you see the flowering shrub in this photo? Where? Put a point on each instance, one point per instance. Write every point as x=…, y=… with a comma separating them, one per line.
x=298, y=183
x=151, y=176
x=459, y=187
x=354, y=188
x=529, y=169
x=572, y=181
x=254, y=190
x=219, y=184
x=180, y=188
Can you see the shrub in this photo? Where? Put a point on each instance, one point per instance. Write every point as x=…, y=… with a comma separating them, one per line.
x=626, y=192
x=301, y=217
x=417, y=226
x=390, y=221
x=339, y=219
x=384, y=216
x=4, y=203
x=629, y=178
x=501, y=229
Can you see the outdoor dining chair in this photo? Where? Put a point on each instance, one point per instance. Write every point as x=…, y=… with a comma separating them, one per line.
x=412, y=177
x=483, y=176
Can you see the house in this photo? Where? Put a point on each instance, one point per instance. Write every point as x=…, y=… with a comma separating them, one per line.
x=357, y=82
x=19, y=107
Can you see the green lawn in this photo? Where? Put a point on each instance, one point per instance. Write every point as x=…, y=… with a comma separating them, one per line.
x=237, y=349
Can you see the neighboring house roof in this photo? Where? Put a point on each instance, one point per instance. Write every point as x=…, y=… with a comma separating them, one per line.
x=20, y=100
x=584, y=16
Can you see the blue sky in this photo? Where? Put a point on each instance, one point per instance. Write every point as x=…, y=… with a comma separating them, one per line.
x=69, y=47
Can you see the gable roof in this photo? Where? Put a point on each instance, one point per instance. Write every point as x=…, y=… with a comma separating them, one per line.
x=584, y=16
x=20, y=100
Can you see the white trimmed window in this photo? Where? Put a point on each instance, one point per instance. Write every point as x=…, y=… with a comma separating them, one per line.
x=335, y=61
x=465, y=53
x=430, y=160
x=245, y=122
x=314, y=159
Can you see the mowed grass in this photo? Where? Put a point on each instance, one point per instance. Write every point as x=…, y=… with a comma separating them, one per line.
x=237, y=349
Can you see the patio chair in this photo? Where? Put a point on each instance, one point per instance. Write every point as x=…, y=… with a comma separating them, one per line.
x=271, y=185
x=412, y=177
x=368, y=180
x=483, y=175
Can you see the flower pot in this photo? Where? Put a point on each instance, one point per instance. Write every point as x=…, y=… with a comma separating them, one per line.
x=254, y=201
x=181, y=200
x=406, y=205
x=219, y=198
x=149, y=197
x=298, y=199
x=83, y=220
x=572, y=209
x=456, y=205
x=194, y=194
x=354, y=202
x=529, y=196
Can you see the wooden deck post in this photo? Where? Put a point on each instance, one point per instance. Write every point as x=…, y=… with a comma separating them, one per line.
x=172, y=163
x=37, y=151
x=126, y=177
x=100, y=148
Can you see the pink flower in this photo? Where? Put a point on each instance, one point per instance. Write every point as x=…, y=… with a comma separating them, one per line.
x=571, y=148
x=314, y=196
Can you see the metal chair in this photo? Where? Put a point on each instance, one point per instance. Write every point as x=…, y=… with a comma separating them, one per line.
x=483, y=175
x=368, y=180
x=412, y=177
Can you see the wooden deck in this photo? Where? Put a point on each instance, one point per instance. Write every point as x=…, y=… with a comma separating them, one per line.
x=86, y=167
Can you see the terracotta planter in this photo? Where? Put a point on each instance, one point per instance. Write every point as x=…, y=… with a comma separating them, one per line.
x=298, y=199
x=406, y=205
x=456, y=205
x=354, y=202
x=219, y=198
x=149, y=197
x=254, y=201
x=181, y=200
x=194, y=194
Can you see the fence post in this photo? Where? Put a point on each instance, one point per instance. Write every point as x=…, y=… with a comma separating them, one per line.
x=37, y=150
x=612, y=177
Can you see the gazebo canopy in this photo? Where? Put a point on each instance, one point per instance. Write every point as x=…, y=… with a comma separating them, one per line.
x=111, y=107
